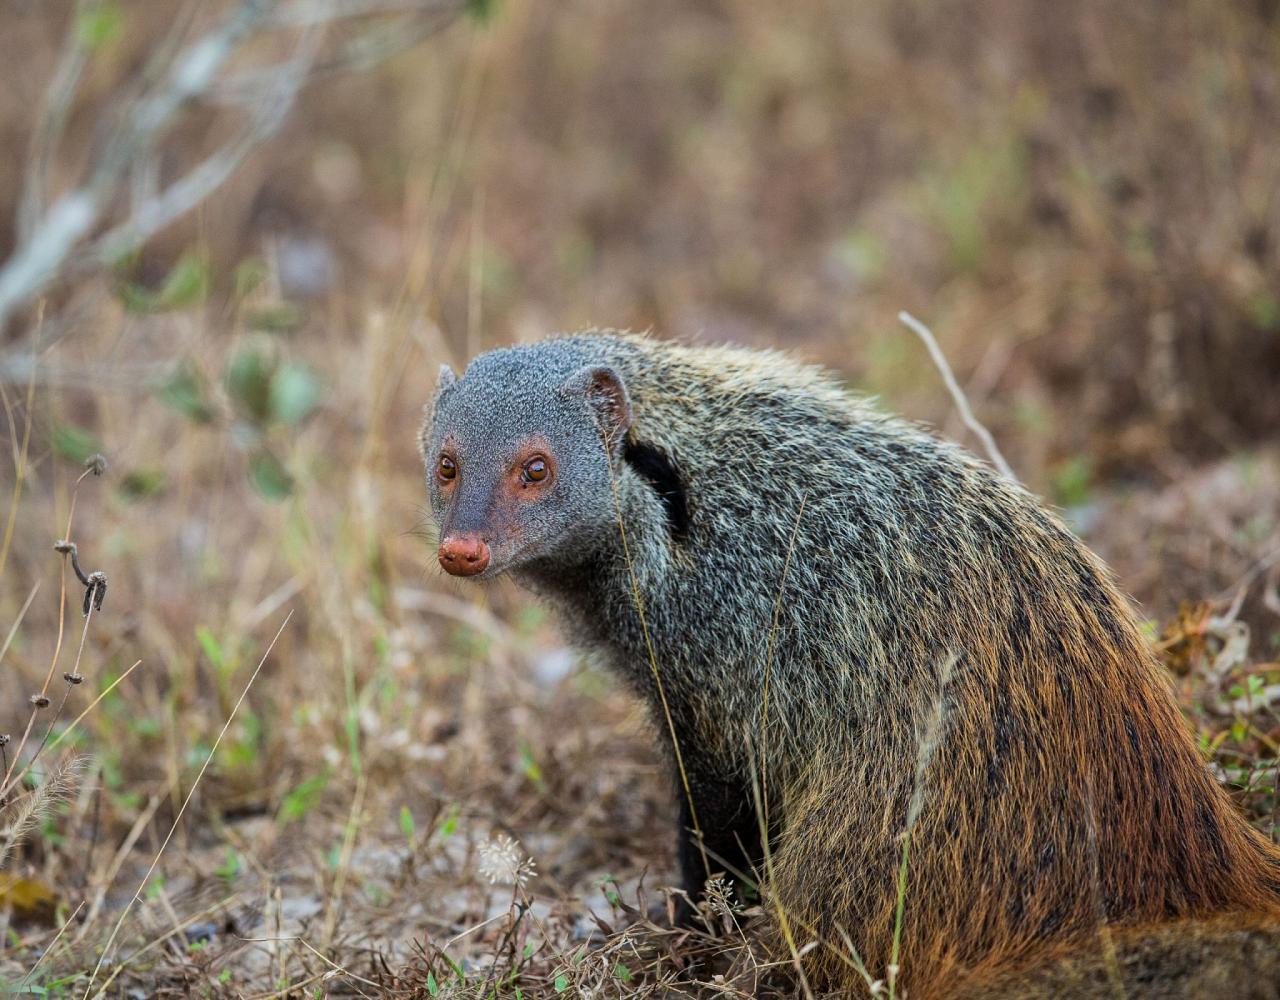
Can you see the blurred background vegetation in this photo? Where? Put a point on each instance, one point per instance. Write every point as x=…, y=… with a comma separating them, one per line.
x=1082, y=199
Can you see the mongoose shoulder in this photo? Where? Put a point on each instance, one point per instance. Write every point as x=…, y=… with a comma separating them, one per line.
x=852, y=634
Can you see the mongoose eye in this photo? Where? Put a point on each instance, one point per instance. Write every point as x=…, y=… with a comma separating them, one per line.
x=447, y=468
x=535, y=470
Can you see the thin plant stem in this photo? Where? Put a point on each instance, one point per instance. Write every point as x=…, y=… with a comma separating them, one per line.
x=653, y=659
x=57, y=648
x=52, y=944
x=12, y=782
x=895, y=950
x=768, y=666
x=957, y=394
x=17, y=622
x=106, y=950
x=19, y=453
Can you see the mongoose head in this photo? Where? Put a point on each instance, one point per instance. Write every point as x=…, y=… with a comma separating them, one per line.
x=519, y=455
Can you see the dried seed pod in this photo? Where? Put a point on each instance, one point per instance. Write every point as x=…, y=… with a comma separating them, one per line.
x=40, y=701
x=71, y=678
x=95, y=590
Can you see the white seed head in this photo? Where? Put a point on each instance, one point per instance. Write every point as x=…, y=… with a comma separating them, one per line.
x=501, y=860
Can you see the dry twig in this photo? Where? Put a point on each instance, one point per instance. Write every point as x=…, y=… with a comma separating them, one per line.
x=957, y=394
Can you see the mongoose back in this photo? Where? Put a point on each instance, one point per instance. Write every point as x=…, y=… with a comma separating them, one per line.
x=854, y=635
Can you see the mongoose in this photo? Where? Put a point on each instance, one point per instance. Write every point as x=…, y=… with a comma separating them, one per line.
x=853, y=634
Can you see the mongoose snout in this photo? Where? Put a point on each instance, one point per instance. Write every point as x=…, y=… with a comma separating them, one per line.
x=463, y=555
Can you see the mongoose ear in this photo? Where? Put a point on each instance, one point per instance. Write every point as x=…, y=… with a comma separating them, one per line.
x=606, y=395
x=445, y=380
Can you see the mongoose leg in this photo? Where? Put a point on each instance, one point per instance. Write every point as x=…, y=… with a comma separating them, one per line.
x=725, y=817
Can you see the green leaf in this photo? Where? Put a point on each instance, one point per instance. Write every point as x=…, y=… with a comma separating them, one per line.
x=294, y=391
x=211, y=646
x=449, y=825
x=406, y=823
x=622, y=973
x=145, y=727
x=143, y=483
x=230, y=867
x=432, y=986
x=269, y=477
x=186, y=392
x=248, y=275
x=282, y=317
x=1073, y=481
x=185, y=285
x=530, y=768
x=303, y=799
x=98, y=25
x=481, y=11
x=562, y=983
x=75, y=444
x=610, y=887
x=249, y=383
x=1264, y=311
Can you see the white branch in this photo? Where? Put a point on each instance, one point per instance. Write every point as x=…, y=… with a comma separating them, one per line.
x=202, y=180
x=31, y=268
x=957, y=394
x=48, y=133
x=50, y=238
x=37, y=262
x=301, y=13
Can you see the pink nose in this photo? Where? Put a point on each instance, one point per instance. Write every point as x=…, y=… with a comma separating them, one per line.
x=464, y=555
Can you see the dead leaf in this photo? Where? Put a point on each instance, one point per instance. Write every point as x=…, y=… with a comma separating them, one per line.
x=28, y=899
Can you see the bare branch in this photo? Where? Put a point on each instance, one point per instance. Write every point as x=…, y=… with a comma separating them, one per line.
x=33, y=265
x=957, y=394
x=36, y=262
x=23, y=367
x=185, y=194
x=300, y=13
x=61, y=234
x=48, y=133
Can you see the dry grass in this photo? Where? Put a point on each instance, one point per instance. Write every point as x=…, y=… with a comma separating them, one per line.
x=711, y=170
